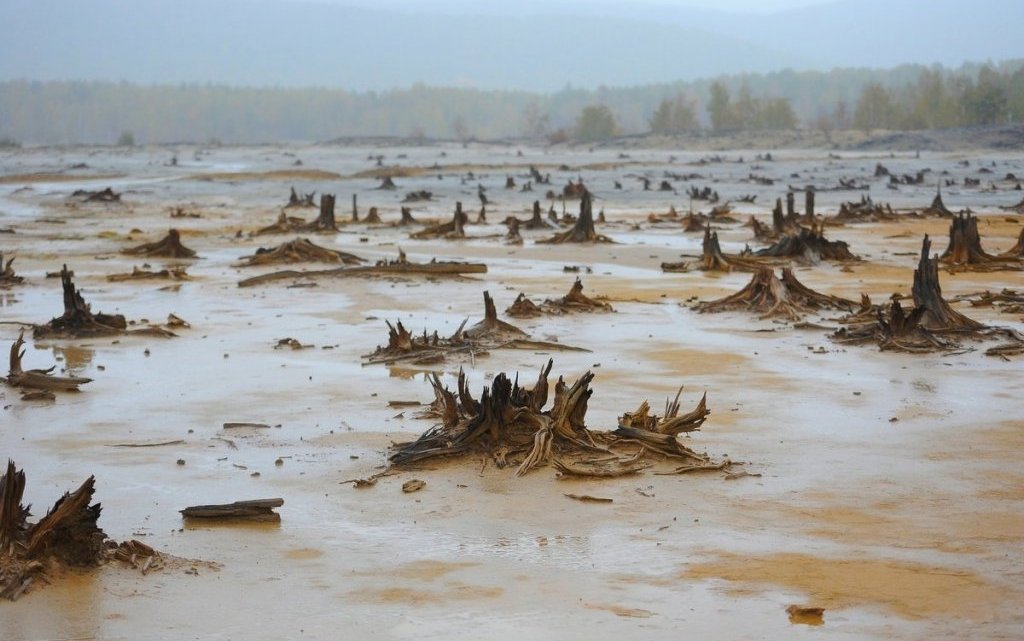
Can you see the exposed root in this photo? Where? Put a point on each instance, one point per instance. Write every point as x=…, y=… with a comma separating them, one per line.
x=39, y=379
x=509, y=424
x=770, y=297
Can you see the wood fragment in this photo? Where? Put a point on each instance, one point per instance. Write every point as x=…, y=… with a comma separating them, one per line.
x=586, y=498
x=255, y=510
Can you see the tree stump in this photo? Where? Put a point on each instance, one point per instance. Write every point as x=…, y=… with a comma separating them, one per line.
x=7, y=275
x=771, y=297
x=78, y=321
x=964, y=251
x=583, y=230
x=168, y=247
x=300, y=250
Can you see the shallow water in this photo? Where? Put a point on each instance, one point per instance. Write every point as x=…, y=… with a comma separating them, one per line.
x=850, y=503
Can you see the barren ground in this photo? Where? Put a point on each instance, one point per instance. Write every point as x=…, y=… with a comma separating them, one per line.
x=891, y=484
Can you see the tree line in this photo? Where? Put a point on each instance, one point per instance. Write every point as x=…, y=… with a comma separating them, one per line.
x=906, y=97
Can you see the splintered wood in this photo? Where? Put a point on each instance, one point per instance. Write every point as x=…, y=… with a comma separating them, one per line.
x=255, y=510
x=67, y=536
x=510, y=425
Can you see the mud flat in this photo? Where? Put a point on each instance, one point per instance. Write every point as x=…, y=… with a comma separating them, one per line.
x=883, y=487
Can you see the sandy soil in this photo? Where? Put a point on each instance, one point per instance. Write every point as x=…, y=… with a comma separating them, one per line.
x=890, y=489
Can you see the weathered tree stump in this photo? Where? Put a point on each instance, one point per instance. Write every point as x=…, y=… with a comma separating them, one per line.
x=78, y=321
x=168, y=247
x=809, y=207
x=712, y=259
x=373, y=217
x=69, y=534
x=965, y=253
x=305, y=201
x=387, y=184
x=583, y=231
x=808, y=246
x=510, y=425
x=937, y=315
x=770, y=297
x=938, y=208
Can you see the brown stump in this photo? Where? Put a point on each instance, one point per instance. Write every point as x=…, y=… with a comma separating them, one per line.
x=809, y=206
x=771, y=297
x=77, y=319
x=577, y=301
x=965, y=252
x=305, y=201
x=452, y=229
x=168, y=247
x=938, y=208
x=372, y=217
x=808, y=246
x=937, y=315
x=523, y=307
x=69, y=534
x=583, y=231
x=407, y=218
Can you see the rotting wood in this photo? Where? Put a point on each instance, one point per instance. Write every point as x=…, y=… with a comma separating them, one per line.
x=300, y=250
x=254, y=510
x=39, y=379
x=168, y=247
x=712, y=258
x=400, y=267
x=808, y=246
x=771, y=297
x=78, y=320
x=510, y=425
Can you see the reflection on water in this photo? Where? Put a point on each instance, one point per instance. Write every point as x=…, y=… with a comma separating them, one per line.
x=75, y=358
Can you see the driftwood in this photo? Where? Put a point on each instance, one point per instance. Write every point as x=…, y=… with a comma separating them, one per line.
x=965, y=253
x=488, y=334
x=400, y=267
x=300, y=250
x=583, y=231
x=510, y=425
x=40, y=379
x=574, y=301
x=67, y=536
x=772, y=297
x=7, y=275
x=174, y=273
x=452, y=229
x=168, y=247
x=256, y=510
x=78, y=320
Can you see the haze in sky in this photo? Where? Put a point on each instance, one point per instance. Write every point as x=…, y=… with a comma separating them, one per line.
x=541, y=45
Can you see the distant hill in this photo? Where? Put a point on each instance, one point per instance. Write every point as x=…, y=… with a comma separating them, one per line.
x=524, y=45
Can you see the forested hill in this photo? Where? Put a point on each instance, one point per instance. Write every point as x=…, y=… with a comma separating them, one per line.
x=906, y=97
x=534, y=45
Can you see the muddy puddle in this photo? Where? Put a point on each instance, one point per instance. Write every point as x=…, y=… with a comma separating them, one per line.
x=888, y=491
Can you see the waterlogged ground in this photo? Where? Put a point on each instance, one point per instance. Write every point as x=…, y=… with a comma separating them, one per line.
x=891, y=485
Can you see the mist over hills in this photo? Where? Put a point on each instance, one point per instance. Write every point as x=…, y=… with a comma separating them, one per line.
x=527, y=45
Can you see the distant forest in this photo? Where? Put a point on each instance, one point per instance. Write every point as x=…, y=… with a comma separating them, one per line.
x=903, y=98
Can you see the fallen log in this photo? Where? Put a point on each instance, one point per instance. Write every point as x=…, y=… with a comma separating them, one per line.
x=255, y=510
x=168, y=247
x=401, y=267
x=174, y=273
